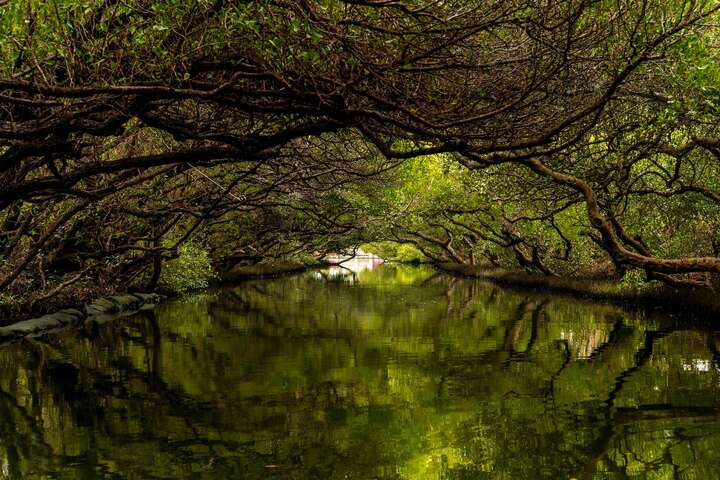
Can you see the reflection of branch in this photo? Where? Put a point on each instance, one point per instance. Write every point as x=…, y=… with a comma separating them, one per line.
x=607, y=431
x=431, y=278
x=8, y=402
x=534, y=326
x=343, y=267
x=663, y=411
x=512, y=333
x=641, y=357
x=713, y=350
x=550, y=391
x=352, y=273
x=515, y=331
x=616, y=334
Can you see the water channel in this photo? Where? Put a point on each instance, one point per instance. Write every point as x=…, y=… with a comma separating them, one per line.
x=389, y=373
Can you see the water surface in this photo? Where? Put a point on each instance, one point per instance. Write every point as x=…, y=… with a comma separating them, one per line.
x=395, y=373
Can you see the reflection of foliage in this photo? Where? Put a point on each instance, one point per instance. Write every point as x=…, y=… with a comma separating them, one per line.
x=403, y=374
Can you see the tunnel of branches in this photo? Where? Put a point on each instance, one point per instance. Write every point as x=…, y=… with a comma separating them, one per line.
x=576, y=138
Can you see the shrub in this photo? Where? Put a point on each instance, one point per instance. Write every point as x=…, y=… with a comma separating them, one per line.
x=191, y=270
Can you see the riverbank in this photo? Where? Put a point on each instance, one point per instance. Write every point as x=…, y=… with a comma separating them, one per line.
x=62, y=314
x=645, y=296
x=266, y=270
x=100, y=311
x=648, y=296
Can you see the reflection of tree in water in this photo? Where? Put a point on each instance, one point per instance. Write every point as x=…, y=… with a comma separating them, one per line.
x=654, y=440
x=85, y=400
x=424, y=377
x=612, y=344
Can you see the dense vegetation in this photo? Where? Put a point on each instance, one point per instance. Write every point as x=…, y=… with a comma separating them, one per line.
x=144, y=140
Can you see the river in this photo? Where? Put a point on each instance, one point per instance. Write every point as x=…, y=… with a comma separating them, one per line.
x=395, y=373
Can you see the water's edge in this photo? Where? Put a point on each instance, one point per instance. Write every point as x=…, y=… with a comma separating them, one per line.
x=665, y=297
x=109, y=308
x=100, y=311
x=127, y=303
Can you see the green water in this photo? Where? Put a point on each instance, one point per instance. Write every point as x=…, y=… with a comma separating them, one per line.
x=395, y=373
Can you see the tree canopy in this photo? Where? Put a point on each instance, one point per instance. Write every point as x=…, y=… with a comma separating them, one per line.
x=575, y=137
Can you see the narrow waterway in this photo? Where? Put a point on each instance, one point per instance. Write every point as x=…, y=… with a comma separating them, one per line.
x=390, y=373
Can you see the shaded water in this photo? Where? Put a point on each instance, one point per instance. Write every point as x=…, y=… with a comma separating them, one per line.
x=395, y=373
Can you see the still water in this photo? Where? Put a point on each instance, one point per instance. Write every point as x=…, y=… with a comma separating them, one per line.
x=392, y=373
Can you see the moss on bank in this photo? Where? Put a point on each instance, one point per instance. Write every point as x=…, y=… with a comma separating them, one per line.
x=648, y=295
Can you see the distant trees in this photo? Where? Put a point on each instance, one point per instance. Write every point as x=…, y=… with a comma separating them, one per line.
x=258, y=128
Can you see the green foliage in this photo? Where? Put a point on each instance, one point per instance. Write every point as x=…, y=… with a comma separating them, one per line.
x=409, y=253
x=636, y=279
x=191, y=270
x=395, y=252
x=8, y=300
x=338, y=190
